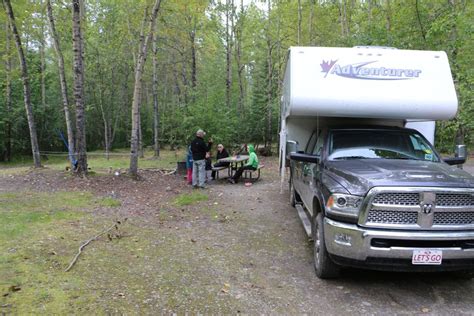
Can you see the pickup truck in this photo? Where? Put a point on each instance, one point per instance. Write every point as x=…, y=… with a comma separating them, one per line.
x=381, y=197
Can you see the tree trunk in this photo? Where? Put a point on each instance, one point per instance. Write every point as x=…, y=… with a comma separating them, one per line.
x=185, y=82
x=311, y=16
x=42, y=60
x=299, y=22
x=26, y=86
x=141, y=58
x=268, y=140
x=156, y=113
x=369, y=13
x=106, y=135
x=238, y=55
x=8, y=96
x=177, y=88
x=79, y=88
x=344, y=18
x=228, y=82
x=388, y=25
x=420, y=23
x=141, y=153
x=102, y=111
x=62, y=80
x=192, y=38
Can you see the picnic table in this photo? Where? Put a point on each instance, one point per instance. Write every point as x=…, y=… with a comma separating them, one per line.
x=234, y=162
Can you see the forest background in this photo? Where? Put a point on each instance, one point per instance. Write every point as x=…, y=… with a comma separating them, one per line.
x=216, y=65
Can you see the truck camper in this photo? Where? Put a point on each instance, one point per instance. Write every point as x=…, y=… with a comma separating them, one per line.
x=356, y=146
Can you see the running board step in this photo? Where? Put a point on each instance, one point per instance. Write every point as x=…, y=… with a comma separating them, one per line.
x=304, y=219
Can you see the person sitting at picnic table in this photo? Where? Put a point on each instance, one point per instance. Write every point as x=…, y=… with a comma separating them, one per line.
x=221, y=153
x=252, y=164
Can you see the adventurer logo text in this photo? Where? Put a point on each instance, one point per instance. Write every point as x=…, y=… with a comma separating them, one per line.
x=361, y=71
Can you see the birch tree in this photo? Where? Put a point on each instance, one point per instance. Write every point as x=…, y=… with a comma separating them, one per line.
x=156, y=113
x=137, y=90
x=8, y=95
x=26, y=85
x=62, y=78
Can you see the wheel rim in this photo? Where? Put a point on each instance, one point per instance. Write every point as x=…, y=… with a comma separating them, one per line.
x=317, y=246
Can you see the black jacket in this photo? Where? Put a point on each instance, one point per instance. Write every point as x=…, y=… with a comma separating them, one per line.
x=199, y=148
x=223, y=154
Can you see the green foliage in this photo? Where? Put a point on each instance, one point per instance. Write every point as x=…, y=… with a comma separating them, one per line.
x=112, y=35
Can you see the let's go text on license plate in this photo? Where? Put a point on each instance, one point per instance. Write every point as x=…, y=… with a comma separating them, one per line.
x=427, y=256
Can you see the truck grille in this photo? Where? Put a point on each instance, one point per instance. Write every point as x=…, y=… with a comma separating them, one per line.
x=424, y=209
x=397, y=199
x=453, y=218
x=392, y=217
x=449, y=199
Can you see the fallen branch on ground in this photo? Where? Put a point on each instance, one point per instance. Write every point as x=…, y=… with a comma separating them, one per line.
x=165, y=172
x=115, y=225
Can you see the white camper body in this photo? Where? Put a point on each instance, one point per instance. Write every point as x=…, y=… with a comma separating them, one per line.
x=375, y=85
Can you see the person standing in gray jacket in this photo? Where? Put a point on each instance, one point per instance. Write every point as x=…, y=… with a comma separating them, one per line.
x=200, y=152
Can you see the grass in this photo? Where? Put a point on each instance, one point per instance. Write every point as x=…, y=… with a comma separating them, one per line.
x=188, y=199
x=38, y=234
x=144, y=272
x=119, y=160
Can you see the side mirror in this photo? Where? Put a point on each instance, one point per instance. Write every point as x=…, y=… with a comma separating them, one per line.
x=304, y=157
x=460, y=151
x=291, y=146
x=454, y=161
x=460, y=155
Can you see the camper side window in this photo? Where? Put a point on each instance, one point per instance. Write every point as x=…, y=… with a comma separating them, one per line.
x=311, y=143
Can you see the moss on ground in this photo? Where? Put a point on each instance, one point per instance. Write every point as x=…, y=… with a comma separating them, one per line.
x=38, y=235
x=190, y=198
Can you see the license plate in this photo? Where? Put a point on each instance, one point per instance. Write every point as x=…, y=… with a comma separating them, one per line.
x=427, y=256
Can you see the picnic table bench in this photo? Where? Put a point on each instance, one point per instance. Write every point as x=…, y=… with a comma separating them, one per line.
x=248, y=174
x=217, y=169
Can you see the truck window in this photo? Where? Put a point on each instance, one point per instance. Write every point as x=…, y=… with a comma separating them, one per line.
x=379, y=144
x=311, y=143
x=319, y=145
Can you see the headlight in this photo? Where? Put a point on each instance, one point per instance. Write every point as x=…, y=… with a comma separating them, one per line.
x=344, y=205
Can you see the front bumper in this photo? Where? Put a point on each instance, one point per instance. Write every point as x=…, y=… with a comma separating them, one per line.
x=352, y=245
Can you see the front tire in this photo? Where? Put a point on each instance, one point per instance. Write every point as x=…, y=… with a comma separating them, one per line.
x=324, y=267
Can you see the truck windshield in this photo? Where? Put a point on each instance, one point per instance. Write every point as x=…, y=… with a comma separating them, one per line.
x=380, y=144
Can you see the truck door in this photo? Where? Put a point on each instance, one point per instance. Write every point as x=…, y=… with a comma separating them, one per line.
x=299, y=169
x=313, y=178
x=308, y=171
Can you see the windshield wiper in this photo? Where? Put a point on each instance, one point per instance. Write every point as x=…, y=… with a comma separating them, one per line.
x=351, y=157
x=405, y=158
